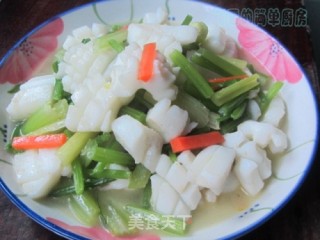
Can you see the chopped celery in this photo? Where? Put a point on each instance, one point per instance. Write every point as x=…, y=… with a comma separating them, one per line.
x=72, y=148
x=107, y=156
x=51, y=128
x=139, y=177
x=103, y=43
x=271, y=93
x=15, y=133
x=86, y=152
x=146, y=196
x=117, y=46
x=99, y=167
x=78, y=178
x=111, y=173
x=231, y=125
x=172, y=156
x=192, y=74
x=215, y=63
x=57, y=90
x=239, y=111
x=197, y=111
x=116, y=219
x=46, y=115
x=143, y=101
x=227, y=108
x=177, y=225
x=187, y=20
x=85, y=40
x=234, y=90
x=239, y=63
x=136, y=114
x=14, y=89
x=66, y=189
x=203, y=31
x=55, y=66
x=85, y=208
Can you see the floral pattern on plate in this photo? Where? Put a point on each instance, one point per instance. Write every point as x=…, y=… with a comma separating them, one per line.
x=260, y=47
x=31, y=53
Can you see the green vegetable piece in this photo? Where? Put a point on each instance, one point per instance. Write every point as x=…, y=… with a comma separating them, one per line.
x=187, y=20
x=139, y=177
x=116, y=219
x=66, y=189
x=46, y=115
x=14, y=89
x=203, y=31
x=269, y=96
x=85, y=40
x=72, y=148
x=239, y=111
x=136, y=114
x=111, y=173
x=109, y=156
x=192, y=74
x=103, y=43
x=215, y=63
x=85, y=208
x=57, y=90
x=78, y=178
x=197, y=111
x=236, y=89
x=146, y=196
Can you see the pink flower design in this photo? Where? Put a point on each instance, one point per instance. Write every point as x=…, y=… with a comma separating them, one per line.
x=31, y=53
x=96, y=233
x=261, y=49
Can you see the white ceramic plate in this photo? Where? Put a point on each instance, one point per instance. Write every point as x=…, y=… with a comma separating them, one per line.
x=262, y=50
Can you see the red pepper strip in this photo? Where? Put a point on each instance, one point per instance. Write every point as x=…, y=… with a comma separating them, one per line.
x=146, y=63
x=225, y=79
x=193, y=142
x=37, y=142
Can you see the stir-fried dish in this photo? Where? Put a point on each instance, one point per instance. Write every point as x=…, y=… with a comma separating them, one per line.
x=169, y=111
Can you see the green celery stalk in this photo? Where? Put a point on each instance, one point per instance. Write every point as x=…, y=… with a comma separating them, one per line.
x=220, y=62
x=103, y=43
x=192, y=74
x=239, y=111
x=239, y=63
x=112, y=174
x=69, y=188
x=85, y=208
x=116, y=220
x=177, y=225
x=109, y=156
x=72, y=148
x=51, y=128
x=139, y=177
x=146, y=196
x=203, y=31
x=78, y=178
x=136, y=114
x=46, y=115
x=187, y=20
x=234, y=90
x=227, y=108
x=57, y=90
x=197, y=111
x=271, y=93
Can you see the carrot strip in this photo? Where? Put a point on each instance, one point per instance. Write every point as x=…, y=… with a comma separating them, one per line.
x=37, y=142
x=225, y=79
x=146, y=63
x=193, y=142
